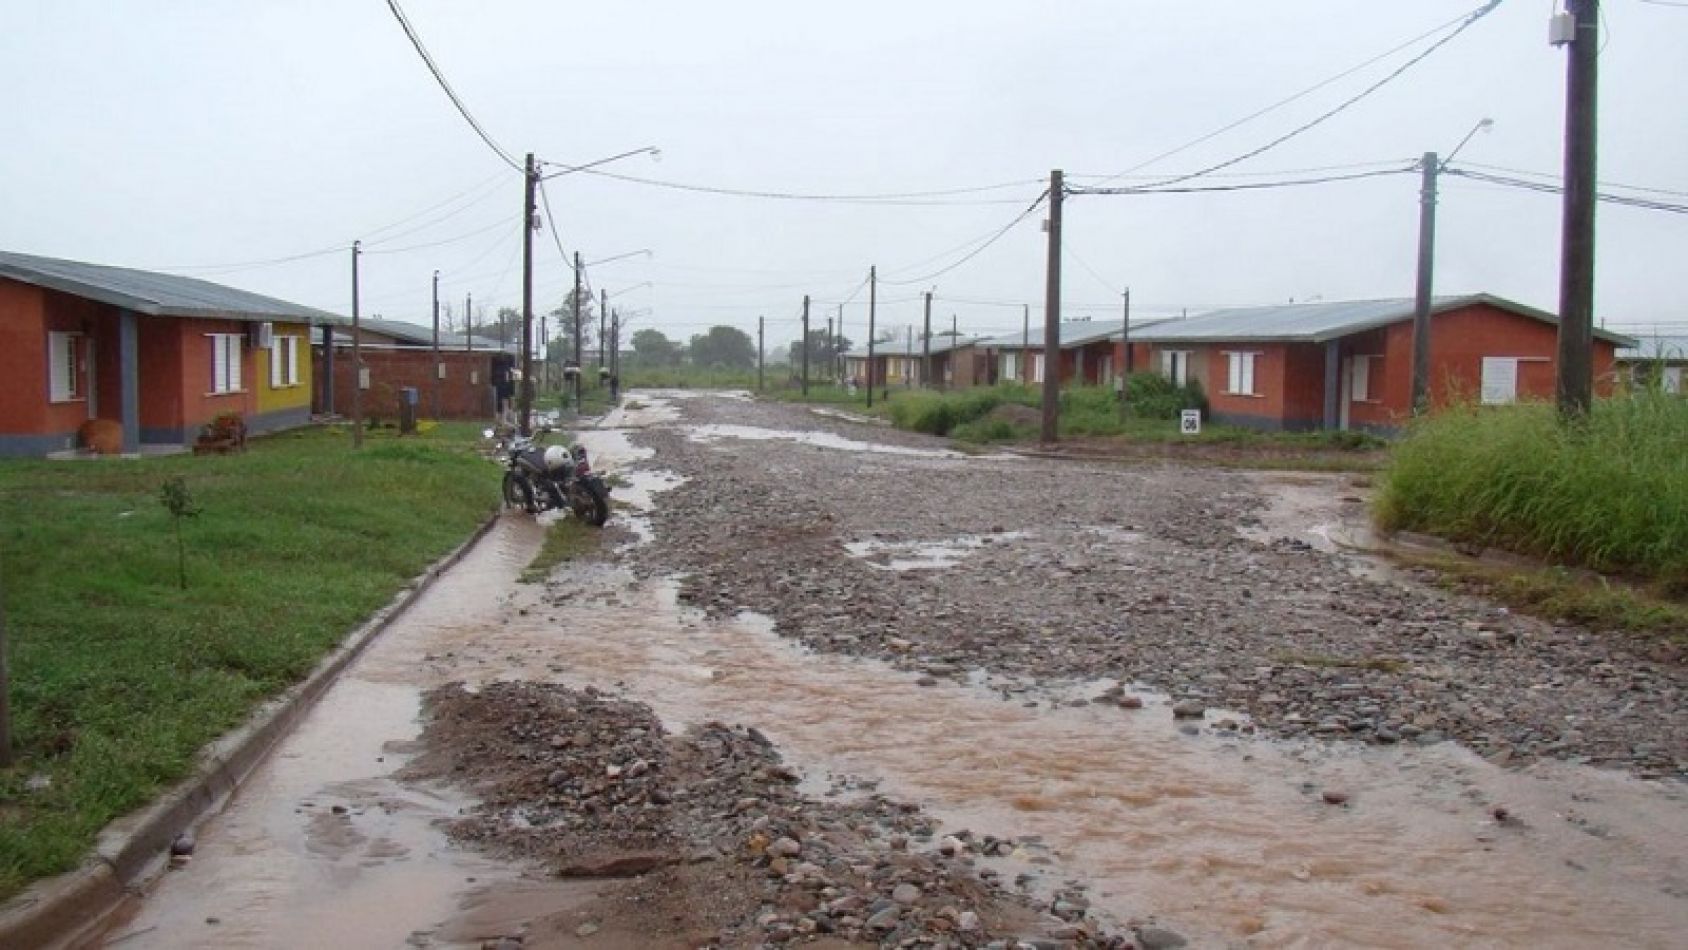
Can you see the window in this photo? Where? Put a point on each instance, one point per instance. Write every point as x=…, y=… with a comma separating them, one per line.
x=1175, y=366
x=65, y=367
x=1500, y=380
x=284, y=361
x=1010, y=366
x=225, y=363
x=1037, y=367
x=1241, y=381
x=1359, y=384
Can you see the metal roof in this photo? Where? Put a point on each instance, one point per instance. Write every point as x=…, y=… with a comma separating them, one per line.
x=1656, y=347
x=154, y=294
x=1073, y=333
x=415, y=334
x=940, y=344
x=1322, y=322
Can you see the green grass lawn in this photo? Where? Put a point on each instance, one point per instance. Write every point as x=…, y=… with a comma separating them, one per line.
x=119, y=676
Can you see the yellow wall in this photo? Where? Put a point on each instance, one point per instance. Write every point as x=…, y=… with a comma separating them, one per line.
x=297, y=395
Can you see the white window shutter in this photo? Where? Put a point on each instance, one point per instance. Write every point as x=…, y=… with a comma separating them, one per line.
x=292, y=361
x=1362, y=379
x=234, y=362
x=1500, y=380
x=1248, y=373
x=219, y=365
x=1235, y=381
x=277, y=344
x=58, y=367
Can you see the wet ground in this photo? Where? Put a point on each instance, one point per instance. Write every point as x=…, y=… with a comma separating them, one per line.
x=1154, y=697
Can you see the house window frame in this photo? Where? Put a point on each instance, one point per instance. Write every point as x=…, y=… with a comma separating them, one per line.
x=229, y=347
x=284, y=361
x=67, y=382
x=1175, y=366
x=1240, y=373
x=1362, y=373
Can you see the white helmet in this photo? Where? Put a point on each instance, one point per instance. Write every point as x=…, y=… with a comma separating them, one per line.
x=557, y=458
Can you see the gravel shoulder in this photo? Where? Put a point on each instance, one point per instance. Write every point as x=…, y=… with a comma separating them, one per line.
x=1064, y=570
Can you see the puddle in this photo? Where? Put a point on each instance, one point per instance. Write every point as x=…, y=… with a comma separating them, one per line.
x=924, y=555
x=1327, y=513
x=323, y=847
x=825, y=440
x=1218, y=835
x=848, y=416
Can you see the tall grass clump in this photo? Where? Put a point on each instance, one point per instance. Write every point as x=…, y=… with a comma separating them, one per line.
x=1609, y=493
x=939, y=413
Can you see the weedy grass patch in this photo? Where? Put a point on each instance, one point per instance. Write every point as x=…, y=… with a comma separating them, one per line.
x=565, y=539
x=1609, y=492
x=120, y=675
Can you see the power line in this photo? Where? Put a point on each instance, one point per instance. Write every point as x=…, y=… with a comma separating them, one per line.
x=421, y=50
x=975, y=252
x=1551, y=189
x=451, y=240
x=893, y=198
x=1297, y=96
x=1466, y=23
x=1158, y=189
x=1556, y=175
x=1275, y=173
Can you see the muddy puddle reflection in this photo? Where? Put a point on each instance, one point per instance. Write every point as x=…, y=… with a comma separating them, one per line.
x=1226, y=837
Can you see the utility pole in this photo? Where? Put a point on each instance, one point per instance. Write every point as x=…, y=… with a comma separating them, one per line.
x=579, y=364
x=805, y=346
x=1025, y=344
x=545, y=362
x=831, y=350
x=357, y=354
x=468, y=321
x=908, y=354
x=603, y=314
x=1432, y=165
x=872, y=309
x=955, y=347
x=436, y=381
x=1052, y=312
x=761, y=365
x=838, y=343
x=1125, y=354
x=615, y=350
x=530, y=180
x=926, y=353
x=1576, y=268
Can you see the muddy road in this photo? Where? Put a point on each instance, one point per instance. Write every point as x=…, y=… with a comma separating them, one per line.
x=827, y=683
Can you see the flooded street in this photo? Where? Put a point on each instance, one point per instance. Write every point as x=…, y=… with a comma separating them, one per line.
x=976, y=637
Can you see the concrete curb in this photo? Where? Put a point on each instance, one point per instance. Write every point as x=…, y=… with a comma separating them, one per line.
x=67, y=910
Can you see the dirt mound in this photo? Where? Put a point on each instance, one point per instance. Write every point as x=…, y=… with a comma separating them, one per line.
x=714, y=841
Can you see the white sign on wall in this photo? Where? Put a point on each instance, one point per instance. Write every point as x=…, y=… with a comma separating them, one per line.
x=363, y=377
x=1190, y=422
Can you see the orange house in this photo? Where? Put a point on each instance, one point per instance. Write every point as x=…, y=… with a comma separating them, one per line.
x=160, y=355
x=1348, y=365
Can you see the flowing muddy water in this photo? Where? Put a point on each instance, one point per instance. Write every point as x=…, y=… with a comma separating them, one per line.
x=1221, y=836
x=324, y=847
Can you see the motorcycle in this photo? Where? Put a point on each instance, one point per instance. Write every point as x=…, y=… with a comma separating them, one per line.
x=544, y=478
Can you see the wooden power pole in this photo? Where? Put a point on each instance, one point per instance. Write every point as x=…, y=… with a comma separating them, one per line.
x=357, y=354
x=872, y=310
x=805, y=346
x=761, y=328
x=926, y=347
x=1576, y=268
x=524, y=405
x=1052, y=313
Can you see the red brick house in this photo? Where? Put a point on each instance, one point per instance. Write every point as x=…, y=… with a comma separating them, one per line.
x=157, y=354
x=464, y=384
x=1091, y=353
x=1348, y=365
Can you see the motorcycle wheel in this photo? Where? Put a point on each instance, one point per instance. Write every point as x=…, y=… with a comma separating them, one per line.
x=518, y=493
x=591, y=503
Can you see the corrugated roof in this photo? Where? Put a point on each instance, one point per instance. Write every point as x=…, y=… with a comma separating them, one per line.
x=1656, y=347
x=154, y=294
x=940, y=344
x=1073, y=333
x=1321, y=322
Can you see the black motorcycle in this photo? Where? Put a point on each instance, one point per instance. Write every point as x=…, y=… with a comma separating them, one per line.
x=544, y=478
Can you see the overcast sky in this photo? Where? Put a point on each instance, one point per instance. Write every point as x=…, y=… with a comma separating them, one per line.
x=184, y=136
